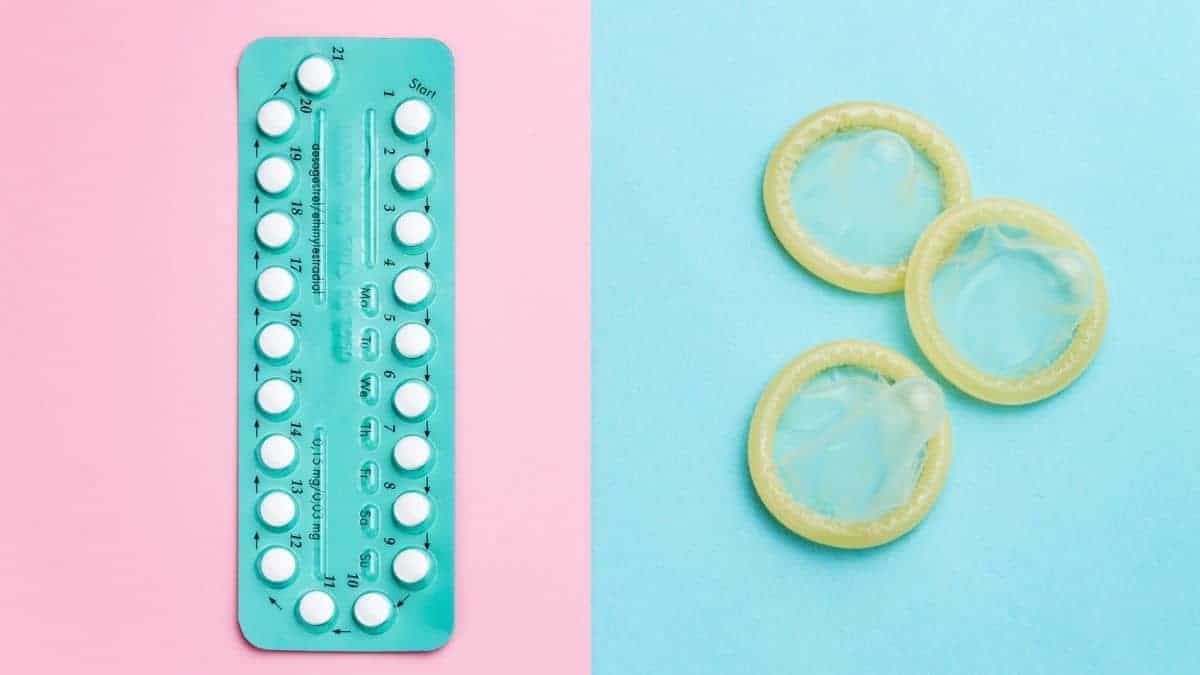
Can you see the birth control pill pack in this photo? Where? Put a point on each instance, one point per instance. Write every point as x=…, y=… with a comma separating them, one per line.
x=346, y=344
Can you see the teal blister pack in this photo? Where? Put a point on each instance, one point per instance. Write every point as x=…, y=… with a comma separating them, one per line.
x=346, y=344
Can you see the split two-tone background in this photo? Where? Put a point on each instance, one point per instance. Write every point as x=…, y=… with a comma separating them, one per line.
x=621, y=304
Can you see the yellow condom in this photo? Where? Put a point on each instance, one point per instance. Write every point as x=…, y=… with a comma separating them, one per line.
x=775, y=481
x=1053, y=254
x=859, y=211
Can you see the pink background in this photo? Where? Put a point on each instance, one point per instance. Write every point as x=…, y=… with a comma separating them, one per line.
x=118, y=307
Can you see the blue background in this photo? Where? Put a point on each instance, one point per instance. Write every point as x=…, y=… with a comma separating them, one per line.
x=1066, y=538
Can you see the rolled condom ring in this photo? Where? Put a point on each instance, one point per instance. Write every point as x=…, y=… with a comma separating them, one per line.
x=850, y=445
x=1005, y=300
x=850, y=188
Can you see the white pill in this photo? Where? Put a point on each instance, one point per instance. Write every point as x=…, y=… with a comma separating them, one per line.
x=412, y=286
x=276, y=341
x=277, y=565
x=413, y=228
x=412, y=117
x=275, y=284
x=411, y=509
x=275, y=230
x=411, y=566
x=411, y=453
x=413, y=340
x=372, y=610
x=275, y=174
x=276, y=117
x=412, y=399
x=275, y=397
x=277, y=452
x=413, y=172
x=316, y=608
x=315, y=74
x=277, y=510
